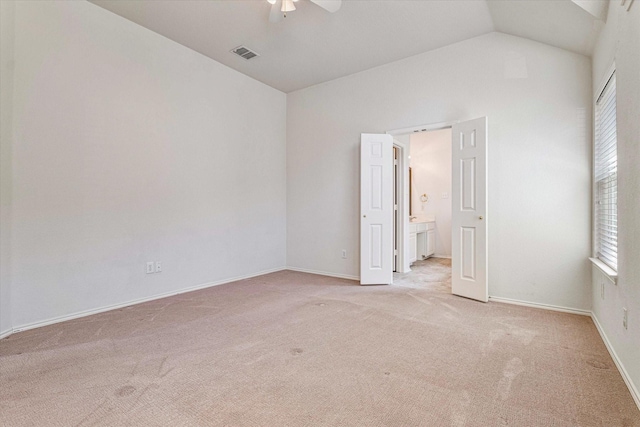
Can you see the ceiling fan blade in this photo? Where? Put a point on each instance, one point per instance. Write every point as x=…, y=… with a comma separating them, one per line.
x=329, y=5
x=276, y=15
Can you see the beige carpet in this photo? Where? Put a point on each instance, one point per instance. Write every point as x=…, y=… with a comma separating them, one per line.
x=294, y=349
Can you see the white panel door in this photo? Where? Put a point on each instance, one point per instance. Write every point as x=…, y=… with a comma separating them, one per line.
x=376, y=209
x=469, y=210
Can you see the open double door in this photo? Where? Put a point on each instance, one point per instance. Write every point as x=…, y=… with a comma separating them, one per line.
x=468, y=210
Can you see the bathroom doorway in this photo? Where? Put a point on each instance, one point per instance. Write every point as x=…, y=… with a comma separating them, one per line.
x=429, y=234
x=468, y=197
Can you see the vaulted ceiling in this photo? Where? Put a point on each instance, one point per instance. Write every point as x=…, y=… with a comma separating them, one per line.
x=312, y=46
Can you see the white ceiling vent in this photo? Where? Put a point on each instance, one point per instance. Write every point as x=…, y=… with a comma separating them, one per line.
x=244, y=52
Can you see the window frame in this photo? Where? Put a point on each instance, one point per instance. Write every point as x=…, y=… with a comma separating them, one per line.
x=607, y=269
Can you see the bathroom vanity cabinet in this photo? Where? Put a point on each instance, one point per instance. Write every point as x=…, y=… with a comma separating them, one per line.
x=422, y=240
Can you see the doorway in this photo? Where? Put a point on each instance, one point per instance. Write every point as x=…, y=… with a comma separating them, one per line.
x=378, y=243
x=430, y=176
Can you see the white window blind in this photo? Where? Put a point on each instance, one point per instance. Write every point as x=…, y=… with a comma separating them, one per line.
x=606, y=176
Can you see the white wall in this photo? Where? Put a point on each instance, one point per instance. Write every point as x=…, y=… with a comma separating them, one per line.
x=620, y=42
x=129, y=148
x=6, y=129
x=431, y=174
x=538, y=102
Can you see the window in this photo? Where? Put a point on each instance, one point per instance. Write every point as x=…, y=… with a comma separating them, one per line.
x=606, y=176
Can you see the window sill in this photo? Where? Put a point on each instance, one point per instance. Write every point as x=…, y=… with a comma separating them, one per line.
x=608, y=271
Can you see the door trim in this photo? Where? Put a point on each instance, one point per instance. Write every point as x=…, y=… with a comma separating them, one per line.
x=422, y=128
x=402, y=265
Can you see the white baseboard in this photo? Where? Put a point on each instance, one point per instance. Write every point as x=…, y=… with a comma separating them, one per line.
x=441, y=256
x=625, y=376
x=85, y=313
x=324, y=273
x=6, y=333
x=543, y=306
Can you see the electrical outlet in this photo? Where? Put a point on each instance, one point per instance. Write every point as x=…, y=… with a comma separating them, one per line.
x=150, y=267
x=158, y=267
x=344, y=253
x=624, y=318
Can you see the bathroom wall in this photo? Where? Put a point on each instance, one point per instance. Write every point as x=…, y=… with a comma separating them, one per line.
x=431, y=174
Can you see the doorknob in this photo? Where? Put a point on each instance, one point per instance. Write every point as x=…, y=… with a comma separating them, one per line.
x=480, y=217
